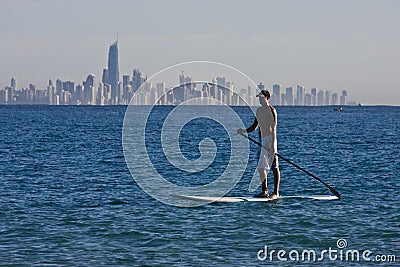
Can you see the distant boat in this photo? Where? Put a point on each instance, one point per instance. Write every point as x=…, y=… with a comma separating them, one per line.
x=339, y=109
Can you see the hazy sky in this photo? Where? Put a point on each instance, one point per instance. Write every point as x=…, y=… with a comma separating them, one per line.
x=331, y=45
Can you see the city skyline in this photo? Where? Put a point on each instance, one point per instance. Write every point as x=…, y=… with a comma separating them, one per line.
x=140, y=91
x=66, y=93
x=96, y=94
x=111, y=91
x=331, y=44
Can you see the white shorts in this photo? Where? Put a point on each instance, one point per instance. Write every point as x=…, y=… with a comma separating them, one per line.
x=268, y=159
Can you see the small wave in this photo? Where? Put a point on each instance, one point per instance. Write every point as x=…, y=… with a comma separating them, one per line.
x=117, y=202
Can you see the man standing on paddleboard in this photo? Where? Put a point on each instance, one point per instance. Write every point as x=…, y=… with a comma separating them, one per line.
x=266, y=121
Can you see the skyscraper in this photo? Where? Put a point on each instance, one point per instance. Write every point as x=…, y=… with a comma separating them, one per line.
x=221, y=82
x=137, y=80
x=104, y=77
x=68, y=86
x=58, y=87
x=13, y=84
x=313, y=96
x=50, y=93
x=334, y=99
x=276, y=94
x=300, y=95
x=307, y=99
x=4, y=96
x=113, y=69
x=343, y=97
x=289, y=96
x=89, y=90
x=12, y=90
x=126, y=87
x=261, y=86
x=327, y=98
x=320, y=98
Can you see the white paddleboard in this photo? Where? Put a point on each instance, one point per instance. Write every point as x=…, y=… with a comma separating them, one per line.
x=252, y=199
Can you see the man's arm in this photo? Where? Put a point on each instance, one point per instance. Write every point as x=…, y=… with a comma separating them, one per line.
x=275, y=116
x=250, y=129
x=274, y=143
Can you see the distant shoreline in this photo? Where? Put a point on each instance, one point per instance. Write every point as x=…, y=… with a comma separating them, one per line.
x=364, y=105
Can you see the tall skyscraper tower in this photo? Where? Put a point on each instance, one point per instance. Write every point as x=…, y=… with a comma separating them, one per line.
x=113, y=69
x=89, y=90
x=300, y=95
x=13, y=89
x=276, y=88
x=137, y=80
x=313, y=96
x=104, y=77
x=343, y=97
x=261, y=86
x=334, y=99
x=327, y=98
x=320, y=98
x=289, y=96
x=13, y=84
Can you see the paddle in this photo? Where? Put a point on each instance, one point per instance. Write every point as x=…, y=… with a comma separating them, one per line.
x=336, y=193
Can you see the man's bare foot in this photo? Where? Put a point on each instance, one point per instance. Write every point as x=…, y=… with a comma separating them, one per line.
x=262, y=194
x=273, y=196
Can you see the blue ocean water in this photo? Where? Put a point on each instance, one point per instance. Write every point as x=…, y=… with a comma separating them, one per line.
x=68, y=199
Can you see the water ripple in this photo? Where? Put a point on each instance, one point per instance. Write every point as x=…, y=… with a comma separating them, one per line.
x=67, y=197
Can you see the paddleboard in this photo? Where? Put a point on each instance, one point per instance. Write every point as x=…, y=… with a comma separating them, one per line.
x=252, y=199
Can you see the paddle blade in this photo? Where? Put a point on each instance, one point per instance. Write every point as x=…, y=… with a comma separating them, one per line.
x=336, y=193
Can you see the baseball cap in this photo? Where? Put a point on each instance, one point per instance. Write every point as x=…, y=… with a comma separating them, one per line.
x=264, y=93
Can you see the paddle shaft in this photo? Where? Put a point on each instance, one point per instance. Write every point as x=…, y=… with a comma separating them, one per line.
x=336, y=193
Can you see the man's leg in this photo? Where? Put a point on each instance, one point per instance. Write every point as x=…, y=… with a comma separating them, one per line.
x=277, y=177
x=277, y=180
x=263, y=178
